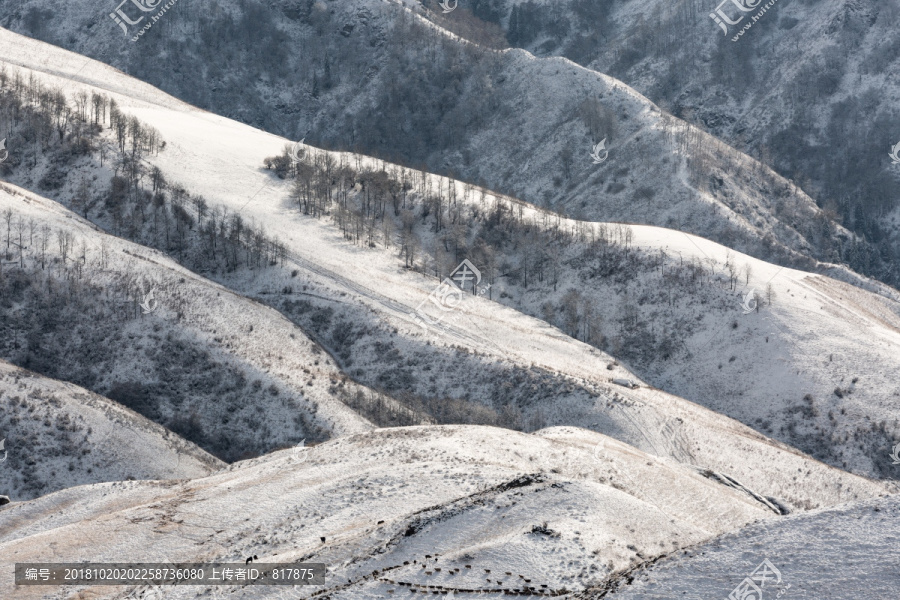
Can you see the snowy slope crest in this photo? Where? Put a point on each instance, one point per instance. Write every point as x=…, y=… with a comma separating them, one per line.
x=842, y=552
x=660, y=171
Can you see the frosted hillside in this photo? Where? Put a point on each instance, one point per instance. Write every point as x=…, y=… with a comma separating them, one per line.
x=844, y=552
x=57, y=436
x=809, y=88
x=651, y=420
x=500, y=501
x=533, y=145
x=238, y=380
x=811, y=344
x=497, y=325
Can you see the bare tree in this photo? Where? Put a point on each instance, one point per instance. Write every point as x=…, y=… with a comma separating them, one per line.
x=201, y=207
x=64, y=239
x=104, y=253
x=20, y=231
x=82, y=198
x=732, y=268
x=44, y=241
x=7, y=216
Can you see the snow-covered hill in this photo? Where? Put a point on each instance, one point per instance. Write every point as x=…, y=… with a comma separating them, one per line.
x=779, y=353
x=290, y=310
x=57, y=435
x=333, y=73
x=808, y=87
x=843, y=552
x=224, y=371
x=563, y=509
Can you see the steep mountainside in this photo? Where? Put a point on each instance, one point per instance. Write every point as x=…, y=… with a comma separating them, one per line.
x=843, y=552
x=423, y=384
x=57, y=436
x=774, y=369
x=238, y=380
x=373, y=76
x=808, y=88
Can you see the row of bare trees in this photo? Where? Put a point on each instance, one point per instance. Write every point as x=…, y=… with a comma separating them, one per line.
x=139, y=203
x=202, y=235
x=51, y=117
x=31, y=249
x=433, y=223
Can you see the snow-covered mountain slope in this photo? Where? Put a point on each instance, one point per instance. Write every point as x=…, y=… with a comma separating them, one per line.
x=224, y=371
x=372, y=75
x=509, y=503
x=365, y=290
x=809, y=87
x=843, y=552
x=813, y=366
x=57, y=435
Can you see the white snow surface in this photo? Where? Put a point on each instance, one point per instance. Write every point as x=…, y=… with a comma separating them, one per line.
x=443, y=481
x=646, y=153
x=438, y=489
